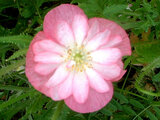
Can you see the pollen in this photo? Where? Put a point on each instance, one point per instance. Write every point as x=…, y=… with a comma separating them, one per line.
x=79, y=59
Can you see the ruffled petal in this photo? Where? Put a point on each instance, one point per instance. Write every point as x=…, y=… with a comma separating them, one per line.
x=98, y=40
x=80, y=87
x=53, y=91
x=58, y=77
x=109, y=72
x=94, y=102
x=65, y=88
x=96, y=81
x=80, y=28
x=45, y=69
x=116, y=30
x=64, y=34
x=93, y=30
x=106, y=56
x=47, y=46
x=48, y=57
x=37, y=80
x=64, y=12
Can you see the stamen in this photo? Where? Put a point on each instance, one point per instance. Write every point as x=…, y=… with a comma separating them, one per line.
x=80, y=57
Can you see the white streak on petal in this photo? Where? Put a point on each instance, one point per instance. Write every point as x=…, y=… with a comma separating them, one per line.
x=65, y=88
x=64, y=34
x=80, y=87
x=48, y=57
x=59, y=76
x=98, y=40
x=106, y=56
x=96, y=81
x=80, y=28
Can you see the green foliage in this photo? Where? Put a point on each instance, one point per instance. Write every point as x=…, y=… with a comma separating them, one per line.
x=136, y=96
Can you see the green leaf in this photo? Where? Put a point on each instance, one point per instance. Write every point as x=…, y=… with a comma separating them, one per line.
x=120, y=97
x=147, y=51
x=156, y=78
x=136, y=103
x=114, y=9
x=157, y=110
x=18, y=53
x=129, y=110
x=151, y=115
x=20, y=40
x=12, y=67
x=15, y=99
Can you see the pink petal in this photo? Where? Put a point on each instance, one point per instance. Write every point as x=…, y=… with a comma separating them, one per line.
x=106, y=56
x=59, y=76
x=80, y=87
x=93, y=30
x=94, y=102
x=96, y=81
x=115, y=41
x=45, y=69
x=120, y=64
x=115, y=29
x=64, y=12
x=53, y=91
x=38, y=81
x=47, y=46
x=80, y=28
x=109, y=72
x=48, y=57
x=65, y=88
x=98, y=40
x=64, y=34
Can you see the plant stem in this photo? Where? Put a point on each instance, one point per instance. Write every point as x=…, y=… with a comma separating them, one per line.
x=57, y=111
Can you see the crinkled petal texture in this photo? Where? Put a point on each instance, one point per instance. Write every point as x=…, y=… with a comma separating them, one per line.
x=48, y=70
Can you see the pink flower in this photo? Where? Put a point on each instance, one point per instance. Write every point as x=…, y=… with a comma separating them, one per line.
x=76, y=59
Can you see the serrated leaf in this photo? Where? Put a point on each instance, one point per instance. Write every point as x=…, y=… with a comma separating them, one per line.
x=136, y=103
x=15, y=99
x=106, y=112
x=156, y=78
x=128, y=110
x=18, y=53
x=157, y=110
x=139, y=118
x=110, y=10
x=119, y=106
x=120, y=97
x=12, y=67
x=111, y=107
x=147, y=51
x=21, y=41
x=151, y=115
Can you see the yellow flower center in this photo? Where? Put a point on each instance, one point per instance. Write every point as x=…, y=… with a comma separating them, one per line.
x=79, y=59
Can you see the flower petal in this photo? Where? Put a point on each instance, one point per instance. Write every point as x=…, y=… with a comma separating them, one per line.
x=45, y=69
x=80, y=87
x=109, y=72
x=115, y=29
x=48, y=57
x=64, y=12
x=80, y=28
x=53, y=91
x=93, y=30
x=59, y=76
x=98, y=40
x=106, y=56
x=38, y=81
x=47, y=46
x=64, y=34
x=94, y=102
x=65, y=88
x=96, y=81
